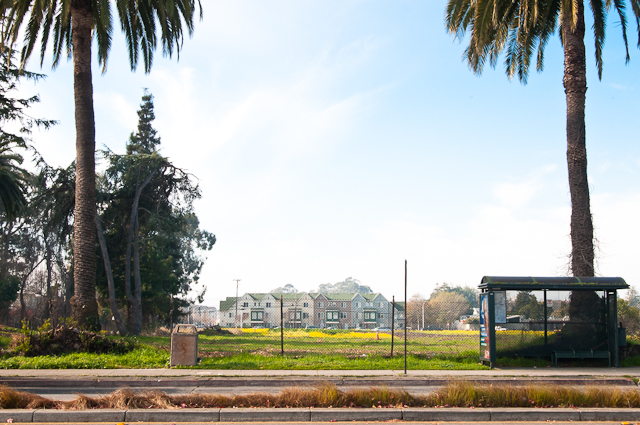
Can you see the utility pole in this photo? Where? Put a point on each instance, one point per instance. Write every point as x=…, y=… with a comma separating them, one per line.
x=237, y=284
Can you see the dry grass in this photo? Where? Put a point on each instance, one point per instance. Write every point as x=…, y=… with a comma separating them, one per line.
x=458, y=394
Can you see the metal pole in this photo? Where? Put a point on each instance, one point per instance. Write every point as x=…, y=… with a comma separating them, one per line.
x=237, y=284
x=405, y=316
x=423, y=315
x=281, y=327
x=545, y=319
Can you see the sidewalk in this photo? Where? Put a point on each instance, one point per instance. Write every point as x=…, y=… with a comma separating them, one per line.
x=547, y=372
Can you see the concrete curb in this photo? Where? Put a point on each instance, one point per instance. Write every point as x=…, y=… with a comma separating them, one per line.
x=498, y=415
x=289, y=382
x=171, y=415
x=265, y=415
x=446, y=414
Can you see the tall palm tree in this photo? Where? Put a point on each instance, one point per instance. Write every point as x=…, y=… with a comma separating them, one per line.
x=73, y=24
x=519, y=27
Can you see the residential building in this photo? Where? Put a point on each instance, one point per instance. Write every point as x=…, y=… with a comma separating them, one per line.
x=323, y=310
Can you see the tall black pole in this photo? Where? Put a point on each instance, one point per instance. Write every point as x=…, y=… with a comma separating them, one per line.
x=406, y=309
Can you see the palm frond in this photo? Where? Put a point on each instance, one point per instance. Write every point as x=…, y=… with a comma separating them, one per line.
x=620, y=7
x=635, y=6
x=103, y=28
x=548, y=21
x=598, y=8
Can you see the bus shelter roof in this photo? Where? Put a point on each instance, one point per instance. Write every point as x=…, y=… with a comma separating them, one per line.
x=529, y=283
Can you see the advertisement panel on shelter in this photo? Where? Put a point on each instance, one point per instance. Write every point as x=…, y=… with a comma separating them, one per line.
x=484, y=327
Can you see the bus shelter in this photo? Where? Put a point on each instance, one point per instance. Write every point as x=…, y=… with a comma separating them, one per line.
x=556, y=317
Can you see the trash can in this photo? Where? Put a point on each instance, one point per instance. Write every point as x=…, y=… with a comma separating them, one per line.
x=622, y=336
x=184, y=345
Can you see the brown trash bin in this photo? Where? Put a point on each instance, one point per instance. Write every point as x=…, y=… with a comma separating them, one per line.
x=184, y=345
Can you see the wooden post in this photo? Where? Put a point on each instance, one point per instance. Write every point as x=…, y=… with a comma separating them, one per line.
x=393, y=314
x=281, y=327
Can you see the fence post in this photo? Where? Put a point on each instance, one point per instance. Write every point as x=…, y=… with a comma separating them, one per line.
x=393, y=316
x=171, y=314
x=281, y=327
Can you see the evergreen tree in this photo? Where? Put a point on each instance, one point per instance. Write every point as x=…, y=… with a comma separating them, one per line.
x=151, y=232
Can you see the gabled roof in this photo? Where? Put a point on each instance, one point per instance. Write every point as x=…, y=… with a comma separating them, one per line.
x=339, y=296
x=287, y=297
x=257, y=297
x=399, y=305
x=370, y=297
x=227, y=304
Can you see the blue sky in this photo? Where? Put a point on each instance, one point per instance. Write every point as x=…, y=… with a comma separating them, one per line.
x=338, y=138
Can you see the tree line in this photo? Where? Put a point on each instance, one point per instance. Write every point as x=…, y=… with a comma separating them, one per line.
x=148, y=254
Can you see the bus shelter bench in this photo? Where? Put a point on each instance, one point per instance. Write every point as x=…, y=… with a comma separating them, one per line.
x=582, y=354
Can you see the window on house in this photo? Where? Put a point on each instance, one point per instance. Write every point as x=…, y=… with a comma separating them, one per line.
x=295, y=315
x=305, y=304
x=332, y=316
x=305, y=315
x=343, y=305
x=370, y=316
x=319, y=315
x=257, y=316
x=343, y=315
x=268, y=304
x=357, y=305
x=380, y=316
x=381, y=304
x=320, y=305
x=245, y=304
x=230, y=314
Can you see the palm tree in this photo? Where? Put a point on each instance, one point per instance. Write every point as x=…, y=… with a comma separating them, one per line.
x=519, y=27
x=73, y=24
x=13, y=181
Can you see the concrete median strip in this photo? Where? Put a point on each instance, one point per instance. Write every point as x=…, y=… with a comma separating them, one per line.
x=265, y=414
x=345, y=414
x=446, y=414
x=498, y=415
x=172, y=415
x=94, y=415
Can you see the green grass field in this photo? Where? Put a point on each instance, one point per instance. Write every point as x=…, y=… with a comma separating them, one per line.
x=303, y=350
x=353, y=344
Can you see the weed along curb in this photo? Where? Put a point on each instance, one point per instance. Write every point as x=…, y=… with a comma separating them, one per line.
x=318, y=415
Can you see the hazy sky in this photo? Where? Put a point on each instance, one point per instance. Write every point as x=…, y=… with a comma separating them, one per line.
x=338, y=138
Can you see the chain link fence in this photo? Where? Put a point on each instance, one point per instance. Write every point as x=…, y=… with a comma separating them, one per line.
x=300, y=326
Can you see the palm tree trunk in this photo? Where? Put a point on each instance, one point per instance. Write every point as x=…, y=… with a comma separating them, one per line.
x=83, y=303
x=575, y=86
x=584, y=309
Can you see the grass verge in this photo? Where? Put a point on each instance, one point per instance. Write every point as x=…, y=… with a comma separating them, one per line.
x=458, y=394
x=141, y=358
x=338, y=362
